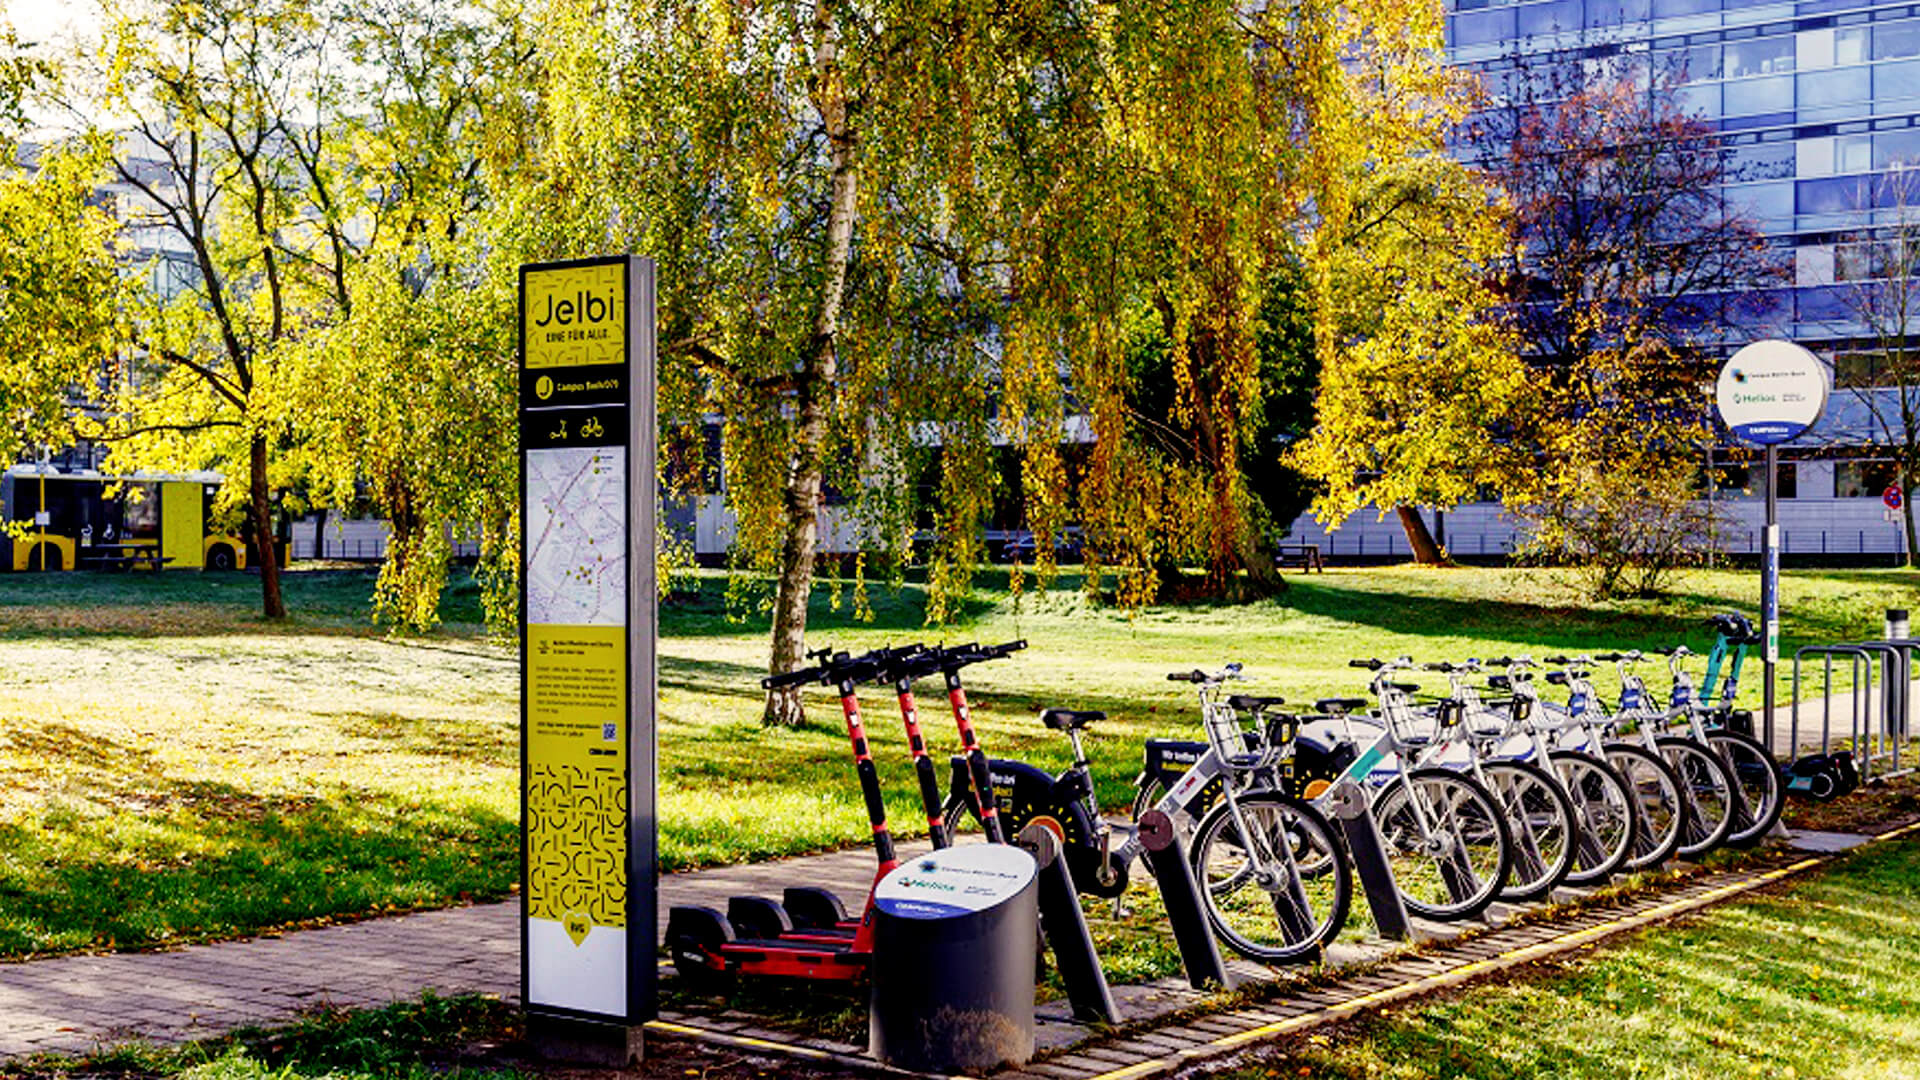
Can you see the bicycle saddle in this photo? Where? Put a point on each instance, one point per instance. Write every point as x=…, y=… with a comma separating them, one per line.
x=1340, y=704
x=1251, y=703
x=1070, y=719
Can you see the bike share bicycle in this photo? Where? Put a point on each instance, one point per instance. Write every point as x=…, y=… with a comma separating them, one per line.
x=1274, y=882
x=1757, y=788
x=1606, y=814
x=1707, y=789
x=1446, y=836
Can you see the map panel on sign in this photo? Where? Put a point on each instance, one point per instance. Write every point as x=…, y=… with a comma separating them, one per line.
x=576, y=536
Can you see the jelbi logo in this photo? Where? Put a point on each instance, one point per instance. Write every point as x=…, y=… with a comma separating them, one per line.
x=574, y=315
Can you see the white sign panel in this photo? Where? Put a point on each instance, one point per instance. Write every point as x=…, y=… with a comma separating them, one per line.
x=1771, y=391
x=954, y=881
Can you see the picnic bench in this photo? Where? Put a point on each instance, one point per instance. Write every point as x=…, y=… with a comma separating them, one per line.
x=1304, y=557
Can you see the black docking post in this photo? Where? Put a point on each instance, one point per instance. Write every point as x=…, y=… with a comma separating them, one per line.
x=1065, y=927
x=1181, y=895
x=1347, y=801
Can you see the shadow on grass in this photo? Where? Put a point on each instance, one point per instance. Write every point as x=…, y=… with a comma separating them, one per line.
x=1769, y=986
x=210, y=860
x=432, y=736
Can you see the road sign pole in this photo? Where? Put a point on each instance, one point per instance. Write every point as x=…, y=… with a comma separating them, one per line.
x=1768, y=393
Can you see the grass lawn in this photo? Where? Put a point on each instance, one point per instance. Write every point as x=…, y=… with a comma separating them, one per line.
x=1816, y=980
x=172, y=768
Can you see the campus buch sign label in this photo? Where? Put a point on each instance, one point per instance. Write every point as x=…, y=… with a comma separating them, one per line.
x=1771, y=392
x=587, y=671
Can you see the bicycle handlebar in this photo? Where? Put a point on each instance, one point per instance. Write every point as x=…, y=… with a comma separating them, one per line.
x=1194, y=676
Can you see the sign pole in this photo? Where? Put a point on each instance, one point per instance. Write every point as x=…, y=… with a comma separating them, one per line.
x=1768, y=393
x=588, y=493
x=1770, y=581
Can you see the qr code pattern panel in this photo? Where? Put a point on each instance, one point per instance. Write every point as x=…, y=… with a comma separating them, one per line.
x=576, y=843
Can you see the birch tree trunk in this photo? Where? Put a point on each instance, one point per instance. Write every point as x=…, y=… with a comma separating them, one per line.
x=814, y=387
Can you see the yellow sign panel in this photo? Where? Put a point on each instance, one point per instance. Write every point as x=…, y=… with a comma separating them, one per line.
x=576, y=703
x=575, y=315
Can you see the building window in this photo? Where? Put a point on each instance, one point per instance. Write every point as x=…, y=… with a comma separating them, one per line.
x=1549, y=18
x=1758, y=56
x=1850, y=45
x=1855, y=370
x=1769, y=161
x=1896, y=148
x=1896, y=41
x=1483, y=27
x=1863, y=479
x=1666, y=9
x=1772, y=96
x=1788, y=478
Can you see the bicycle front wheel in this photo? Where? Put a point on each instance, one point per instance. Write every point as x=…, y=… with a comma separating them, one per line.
x=1447, y=843
x=1758, y=778
x=1279, y=893
x=1605, y=814
x=1541, y=824
x=1708, y=789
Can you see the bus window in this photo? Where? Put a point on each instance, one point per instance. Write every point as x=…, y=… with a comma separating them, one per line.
x=140, y=513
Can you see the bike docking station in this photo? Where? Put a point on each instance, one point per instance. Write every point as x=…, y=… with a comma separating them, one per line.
x=1346, y=802
x=1180, y=893
x=952, y=975
x=588, y=623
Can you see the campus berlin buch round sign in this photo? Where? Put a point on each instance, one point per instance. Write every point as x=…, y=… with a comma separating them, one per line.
x=1771, y=391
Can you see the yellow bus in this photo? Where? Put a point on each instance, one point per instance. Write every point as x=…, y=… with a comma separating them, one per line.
x=82, y=519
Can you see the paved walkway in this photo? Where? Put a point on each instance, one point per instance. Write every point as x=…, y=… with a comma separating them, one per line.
x=79, y=1003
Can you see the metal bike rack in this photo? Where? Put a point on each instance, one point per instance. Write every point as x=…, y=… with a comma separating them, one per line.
x=1880, y=723
x=1895, y=727
x=1860, y=663
x=1181, y=894
x=1871, y=741
x=1065, y=928
x=1347, y=802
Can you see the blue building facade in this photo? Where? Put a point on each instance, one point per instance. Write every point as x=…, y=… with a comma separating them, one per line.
x=1817, y=105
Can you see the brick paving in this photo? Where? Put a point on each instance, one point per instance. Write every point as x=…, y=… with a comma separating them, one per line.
x=77, y=1004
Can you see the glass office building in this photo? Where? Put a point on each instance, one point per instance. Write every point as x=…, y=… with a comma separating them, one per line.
x=1817, y=104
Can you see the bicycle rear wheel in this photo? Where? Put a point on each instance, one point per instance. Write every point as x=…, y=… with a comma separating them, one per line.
x=1447, y=843
x=1541, y=825
x=1758, y=778
x=1605, y=815
x=1656, y=793
x=1282, y=897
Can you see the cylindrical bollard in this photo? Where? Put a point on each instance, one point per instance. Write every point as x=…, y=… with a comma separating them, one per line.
x=953, y=938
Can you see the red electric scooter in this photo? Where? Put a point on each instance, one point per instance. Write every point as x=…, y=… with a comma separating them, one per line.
x=707, y=946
